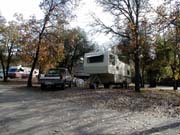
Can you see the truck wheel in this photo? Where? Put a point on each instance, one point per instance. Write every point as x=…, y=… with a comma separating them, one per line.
x=43, y=86
x=70, y=84
x=53, y=87
x=62, y=86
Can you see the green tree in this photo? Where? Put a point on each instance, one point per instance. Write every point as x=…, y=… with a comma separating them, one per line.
x=56, y=13
x=52, y=43
x=169, y=21
x=76, y=45
x=145, y=47
x=125, y=12
x=9, y=45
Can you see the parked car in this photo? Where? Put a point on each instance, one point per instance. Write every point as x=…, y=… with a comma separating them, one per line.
x=15, y=72
x=21, y=72
x=56, y=77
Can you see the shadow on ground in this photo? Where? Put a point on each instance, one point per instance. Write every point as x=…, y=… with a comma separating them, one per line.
x=78, y=111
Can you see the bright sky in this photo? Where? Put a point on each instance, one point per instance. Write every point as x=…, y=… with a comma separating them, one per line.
x=31, y=7
x=26, y=7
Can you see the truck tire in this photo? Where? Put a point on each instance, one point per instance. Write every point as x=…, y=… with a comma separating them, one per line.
x=43, y=86
x=62, y=86
x=70, y=84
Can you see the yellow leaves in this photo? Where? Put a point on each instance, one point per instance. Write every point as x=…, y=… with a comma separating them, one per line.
x=176, y=76
x=74, y=35
x=50, y=54
x=60, y=51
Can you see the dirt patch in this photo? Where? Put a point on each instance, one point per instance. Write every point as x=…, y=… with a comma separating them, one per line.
x=78, y=111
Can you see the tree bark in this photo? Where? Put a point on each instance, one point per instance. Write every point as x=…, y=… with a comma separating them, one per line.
x=137, y=77
x=136, y=57
x=29, y=83
x=142, y=77
x=46, y=19
x=9, y=58
x=72, y=59
x=175, y=87
x=3, y=67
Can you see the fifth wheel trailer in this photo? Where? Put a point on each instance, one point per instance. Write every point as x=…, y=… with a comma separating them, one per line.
x=105, y=68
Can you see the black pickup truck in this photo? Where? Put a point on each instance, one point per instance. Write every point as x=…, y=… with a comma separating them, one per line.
x=56, y=77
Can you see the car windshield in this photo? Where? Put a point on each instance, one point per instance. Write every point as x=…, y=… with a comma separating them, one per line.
x=56, y=71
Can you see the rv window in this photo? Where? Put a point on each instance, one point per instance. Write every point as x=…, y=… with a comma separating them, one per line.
x=95, y=59
x=112, y=59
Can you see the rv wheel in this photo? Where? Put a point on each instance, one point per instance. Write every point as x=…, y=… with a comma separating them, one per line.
x=93, y=86
x=106, y=85
x=125, y=84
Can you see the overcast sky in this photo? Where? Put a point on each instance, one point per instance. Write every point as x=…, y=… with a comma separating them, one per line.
x=31, y=7
x=26, y=7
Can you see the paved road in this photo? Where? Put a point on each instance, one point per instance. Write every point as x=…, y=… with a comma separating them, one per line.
x=30, y=111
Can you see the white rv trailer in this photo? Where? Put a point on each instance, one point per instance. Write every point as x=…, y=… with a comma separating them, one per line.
x=106, y=68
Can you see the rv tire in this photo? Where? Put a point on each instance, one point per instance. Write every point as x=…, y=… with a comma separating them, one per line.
x=125, y=85
x=106, y=85
x=93, y=86
x=43, y=86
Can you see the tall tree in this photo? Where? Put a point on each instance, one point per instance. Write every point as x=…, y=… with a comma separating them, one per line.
x=55, y=12
x=145, y=47
x=9, y=45
x=76, y=45
x=169, y=18
x=51, y=44
x=125, y=12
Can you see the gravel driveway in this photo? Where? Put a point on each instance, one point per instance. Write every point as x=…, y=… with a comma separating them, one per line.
x=75, y=111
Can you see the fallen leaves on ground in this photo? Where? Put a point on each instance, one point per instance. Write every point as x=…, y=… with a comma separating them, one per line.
x=156, y=101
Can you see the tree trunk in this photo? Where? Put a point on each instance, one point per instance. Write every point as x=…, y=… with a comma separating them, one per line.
x=46, y=19
x=174, y=79
x=136, y=57
x=175, y=65
x=142, y=77
x=29, y=83
x=7, y=69
x=5, y=73
x=7, y=66
x=137, y=78
x=3, y=68
x=175, y=87
x=72, y=59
